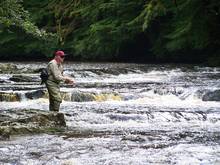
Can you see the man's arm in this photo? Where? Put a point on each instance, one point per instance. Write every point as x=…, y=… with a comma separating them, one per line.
x=58, y=75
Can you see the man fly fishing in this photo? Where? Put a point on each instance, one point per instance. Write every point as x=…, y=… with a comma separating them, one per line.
x=55, y=77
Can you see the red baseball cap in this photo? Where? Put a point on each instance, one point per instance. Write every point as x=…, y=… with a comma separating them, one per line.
x=60, y=53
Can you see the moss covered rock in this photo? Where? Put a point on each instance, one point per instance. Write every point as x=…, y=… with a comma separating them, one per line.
x=13, y=122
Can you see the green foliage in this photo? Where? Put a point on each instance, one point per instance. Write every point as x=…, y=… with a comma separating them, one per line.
x=12, y=13
x=109, y=29
x=17, y=29
x=96, y=29
x=190, y=28
x=152, y=10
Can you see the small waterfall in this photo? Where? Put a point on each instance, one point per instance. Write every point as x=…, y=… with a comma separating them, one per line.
x=93, y=96
x=9, y=97
x=22, y=96
x=75, y=96
x=107, y=97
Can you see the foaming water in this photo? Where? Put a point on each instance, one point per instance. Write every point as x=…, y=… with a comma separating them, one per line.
x=171, y=100
x=120, y=114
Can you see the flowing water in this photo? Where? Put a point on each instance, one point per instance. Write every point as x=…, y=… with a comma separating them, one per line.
x=121, y=114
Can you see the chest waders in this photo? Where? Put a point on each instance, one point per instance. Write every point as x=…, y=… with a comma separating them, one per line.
x=55, y=98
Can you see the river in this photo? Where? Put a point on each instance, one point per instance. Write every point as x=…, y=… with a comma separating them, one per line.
x=123, y=114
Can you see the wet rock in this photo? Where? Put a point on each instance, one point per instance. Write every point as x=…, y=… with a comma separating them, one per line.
x=21, y=78
x=15, y=122
x=9, y=97
x=21, y=87
x=73, y=96
x=200, y=93
x=212, y=96
x=124, y=117
x=4, y=135
x=2, y=81
x=82, y=97
x=135, y=138
x=168, y=90
x=7, y=68
x=157, y=146
x=78, y=96
x=35, y=155
x=35, y=94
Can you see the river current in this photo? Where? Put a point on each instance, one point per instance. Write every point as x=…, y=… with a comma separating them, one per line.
x=123, y=114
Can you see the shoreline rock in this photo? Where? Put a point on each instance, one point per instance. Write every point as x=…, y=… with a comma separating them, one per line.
x=17, y=122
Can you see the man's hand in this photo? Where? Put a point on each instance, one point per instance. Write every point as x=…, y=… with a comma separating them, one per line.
x=69, y=81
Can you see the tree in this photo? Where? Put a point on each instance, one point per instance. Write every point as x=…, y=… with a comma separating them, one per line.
x=161, y=30
x=17, y=27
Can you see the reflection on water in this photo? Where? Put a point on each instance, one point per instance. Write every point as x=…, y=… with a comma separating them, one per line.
x=121, y=114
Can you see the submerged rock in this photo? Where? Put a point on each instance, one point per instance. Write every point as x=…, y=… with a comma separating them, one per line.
x=2, y=81
x=13, y=122
x=35, y=94
x=212, y=96
x=21, y=78
x=135, y=138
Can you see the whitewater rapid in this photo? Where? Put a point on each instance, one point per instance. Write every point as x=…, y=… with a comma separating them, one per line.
x=123, y=114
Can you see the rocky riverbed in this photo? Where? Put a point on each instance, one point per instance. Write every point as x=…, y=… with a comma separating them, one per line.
x=115, y=114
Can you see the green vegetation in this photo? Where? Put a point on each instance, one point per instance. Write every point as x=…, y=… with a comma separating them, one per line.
x=20, y=37
x=125, y=30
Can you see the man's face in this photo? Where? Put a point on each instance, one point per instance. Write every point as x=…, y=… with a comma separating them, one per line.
x=61, y=58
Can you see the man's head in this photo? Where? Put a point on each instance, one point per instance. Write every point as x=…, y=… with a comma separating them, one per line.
x=59, y=56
